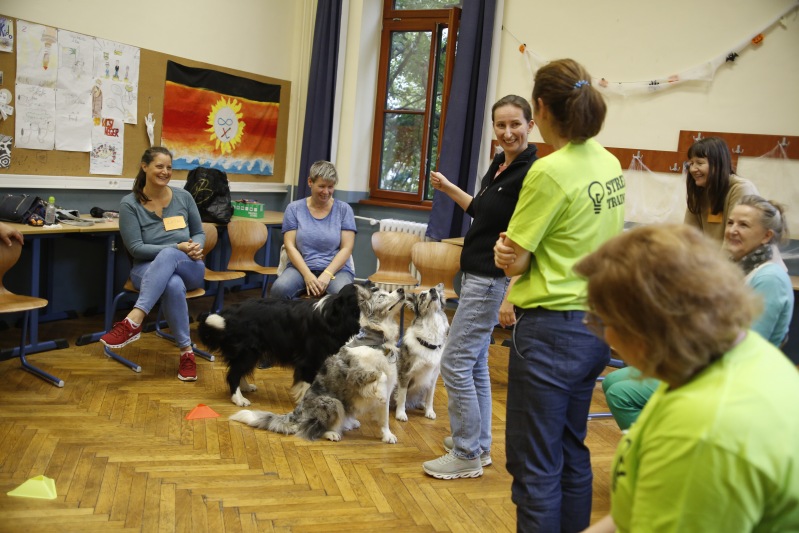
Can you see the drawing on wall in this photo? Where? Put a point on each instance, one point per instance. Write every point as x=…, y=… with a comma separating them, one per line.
x=219, y=120
x=34, y=126
x=6, y=35
x=117, y=66
x=108, y=140
x=37, y=58
x=5, y=151
x=74, y=97
x=6, y=110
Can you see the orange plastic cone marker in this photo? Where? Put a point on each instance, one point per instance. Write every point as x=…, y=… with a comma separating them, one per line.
x=201, y=411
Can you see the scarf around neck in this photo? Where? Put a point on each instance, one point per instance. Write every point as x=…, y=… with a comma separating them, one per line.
x=755, y=258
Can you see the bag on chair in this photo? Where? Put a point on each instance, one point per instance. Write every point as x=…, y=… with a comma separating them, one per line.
x=211, y=193
x=20, y=207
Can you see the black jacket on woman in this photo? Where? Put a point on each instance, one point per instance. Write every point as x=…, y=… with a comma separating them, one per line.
x=491, y=210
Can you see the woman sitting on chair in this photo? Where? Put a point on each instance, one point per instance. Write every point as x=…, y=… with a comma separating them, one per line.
x=162, y=230
x=319, y=234
x=754, y=227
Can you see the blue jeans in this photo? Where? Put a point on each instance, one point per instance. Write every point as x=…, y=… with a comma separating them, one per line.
x=464, y=363
x=552, y=371
x=168, y=277
x=291, y=284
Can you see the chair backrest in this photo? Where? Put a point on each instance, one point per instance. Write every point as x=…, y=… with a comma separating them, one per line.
x=211, y=238
x=9, y=255
x=437, y=262
x=393, y=251
x=246, y=238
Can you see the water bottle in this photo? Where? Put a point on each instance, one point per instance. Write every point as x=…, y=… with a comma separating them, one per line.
x=49, y=212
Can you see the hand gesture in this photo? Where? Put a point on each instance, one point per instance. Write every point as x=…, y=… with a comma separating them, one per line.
x=439, y=181
x=504, y=255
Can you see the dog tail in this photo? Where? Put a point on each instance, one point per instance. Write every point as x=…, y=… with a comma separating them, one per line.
x=322, y=414
x=212, y=331
x=285, y=424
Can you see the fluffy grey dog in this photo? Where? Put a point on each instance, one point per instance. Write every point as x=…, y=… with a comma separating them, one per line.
x=358, y=380
x=420, y=354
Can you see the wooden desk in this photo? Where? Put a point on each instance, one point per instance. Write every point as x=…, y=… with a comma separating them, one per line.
x=454, y=240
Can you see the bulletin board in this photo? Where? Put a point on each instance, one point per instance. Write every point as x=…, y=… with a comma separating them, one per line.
x=152, y=77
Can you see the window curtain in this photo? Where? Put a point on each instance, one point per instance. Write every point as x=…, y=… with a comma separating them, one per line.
x=318, y=130
x=460, y=143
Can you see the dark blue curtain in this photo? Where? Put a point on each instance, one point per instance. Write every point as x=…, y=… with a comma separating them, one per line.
x=460, y=143
x=318, y=130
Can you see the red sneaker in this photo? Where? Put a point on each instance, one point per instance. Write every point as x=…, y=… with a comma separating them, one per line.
x=187, y=371
x=121, y=334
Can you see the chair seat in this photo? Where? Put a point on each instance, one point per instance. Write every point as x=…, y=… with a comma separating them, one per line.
x=13, y=303
x=213, y=275
x=393, y=278
x=253, y=267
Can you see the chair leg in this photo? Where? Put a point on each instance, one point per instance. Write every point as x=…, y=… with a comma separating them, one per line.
x=25, y=364
x=160, y=332
x=596, y=416
x=113, y=355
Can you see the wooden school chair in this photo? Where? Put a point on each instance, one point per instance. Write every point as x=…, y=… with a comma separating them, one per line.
x=214, y=276
x=437, y=262
x=246, y=238
x=393, y=251
x=15, y=303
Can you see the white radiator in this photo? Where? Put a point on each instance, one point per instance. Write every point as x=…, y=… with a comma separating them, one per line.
x=403, y=226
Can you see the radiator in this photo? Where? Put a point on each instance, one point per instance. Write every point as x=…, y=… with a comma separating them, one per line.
x=403, y=226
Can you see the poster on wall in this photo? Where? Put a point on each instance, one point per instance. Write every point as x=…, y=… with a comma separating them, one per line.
x=116, y=75
x=219, y=120
x=34, y=126
x=37, y=54
x=6, y=35
x=108, y=140
x=74, y=92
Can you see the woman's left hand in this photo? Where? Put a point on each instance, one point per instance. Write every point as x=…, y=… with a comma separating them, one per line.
x=192, y=249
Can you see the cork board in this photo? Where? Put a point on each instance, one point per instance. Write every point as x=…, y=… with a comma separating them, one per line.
x=152, y=77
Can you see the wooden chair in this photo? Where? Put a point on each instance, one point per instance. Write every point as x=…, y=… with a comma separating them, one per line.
x=214, y=276
x=437, y=262
x=14, y=303
x=393, y=250
x=246, y=238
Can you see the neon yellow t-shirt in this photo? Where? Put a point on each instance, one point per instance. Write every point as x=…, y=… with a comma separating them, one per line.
x=571, y=202
x=719, y=454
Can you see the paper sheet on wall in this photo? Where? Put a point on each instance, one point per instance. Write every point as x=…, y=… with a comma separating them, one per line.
x=74, y=92
x=5, y=151
x=117, y=66
x=34, y=126
x=108, y=139
x=37, y=54
x=6, y=35
x=776, y=178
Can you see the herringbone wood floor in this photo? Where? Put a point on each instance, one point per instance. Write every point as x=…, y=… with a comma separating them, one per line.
x=124, y=457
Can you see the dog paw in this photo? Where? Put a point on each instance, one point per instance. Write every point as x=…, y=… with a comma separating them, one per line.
x=389, y=437
x=430, y=414
x=250, y=387
x=239, y=400
x=401, y=416
x=351, y=424
x=333, y=435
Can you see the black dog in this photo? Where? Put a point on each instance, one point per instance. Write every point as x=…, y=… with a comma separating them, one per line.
x=295, y=333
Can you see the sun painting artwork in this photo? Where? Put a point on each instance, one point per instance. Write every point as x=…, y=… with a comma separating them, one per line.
x=227, y=128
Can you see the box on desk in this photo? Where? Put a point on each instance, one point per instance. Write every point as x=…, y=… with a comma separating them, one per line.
x=247, y=209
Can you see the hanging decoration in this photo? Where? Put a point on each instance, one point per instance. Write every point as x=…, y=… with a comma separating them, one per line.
x=702, y=72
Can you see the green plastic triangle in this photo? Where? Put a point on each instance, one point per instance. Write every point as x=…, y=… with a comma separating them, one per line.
x=36, y=487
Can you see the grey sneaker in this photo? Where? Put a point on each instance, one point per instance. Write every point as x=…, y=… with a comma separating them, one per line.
x=485, y=457
x=451, y=467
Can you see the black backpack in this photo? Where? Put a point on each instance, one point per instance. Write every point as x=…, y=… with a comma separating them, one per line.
x=211, y=193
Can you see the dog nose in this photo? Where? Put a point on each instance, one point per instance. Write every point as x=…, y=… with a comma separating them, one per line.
x=433, y=292
x=401, y=290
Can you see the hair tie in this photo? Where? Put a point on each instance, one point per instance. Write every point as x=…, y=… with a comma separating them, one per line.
x=580, y=83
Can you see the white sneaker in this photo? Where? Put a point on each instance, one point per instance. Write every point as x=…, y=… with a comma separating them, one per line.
x=451, y=467
x=485, y=457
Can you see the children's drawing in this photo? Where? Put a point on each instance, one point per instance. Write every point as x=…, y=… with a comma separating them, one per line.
x=34, y=126
x=6, y=35
x=108, y=139
x=5, y=103
x=117, y=65
x=5, y=151
x=37, y=57
x=74, y=92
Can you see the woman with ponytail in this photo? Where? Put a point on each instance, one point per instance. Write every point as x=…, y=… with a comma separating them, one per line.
x=571, y=202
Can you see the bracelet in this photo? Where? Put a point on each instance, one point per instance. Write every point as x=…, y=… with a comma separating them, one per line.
x=326, y=271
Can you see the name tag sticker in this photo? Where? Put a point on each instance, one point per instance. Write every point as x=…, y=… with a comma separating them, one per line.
x=173, y=223
x=714, y=219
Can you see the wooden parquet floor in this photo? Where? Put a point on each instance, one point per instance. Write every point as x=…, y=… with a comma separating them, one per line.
x=124, y=457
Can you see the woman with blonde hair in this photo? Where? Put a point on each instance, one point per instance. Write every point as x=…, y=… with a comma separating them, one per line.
x=716, y=449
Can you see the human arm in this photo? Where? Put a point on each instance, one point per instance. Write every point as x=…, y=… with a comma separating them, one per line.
x=458, y=195
x=194, y=247
x=507, y=312
x=7, y=233
x=605, y=525
x=510, y=257
x=296, y=260
x=776, y=294
x=338, y=261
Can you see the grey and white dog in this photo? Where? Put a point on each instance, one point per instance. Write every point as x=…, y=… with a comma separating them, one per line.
x=420, y=354
x=357, y=380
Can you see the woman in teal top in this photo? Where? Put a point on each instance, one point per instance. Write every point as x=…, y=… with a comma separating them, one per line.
x=716, y=449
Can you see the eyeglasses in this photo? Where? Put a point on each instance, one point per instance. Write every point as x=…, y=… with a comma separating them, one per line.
x=594, y=324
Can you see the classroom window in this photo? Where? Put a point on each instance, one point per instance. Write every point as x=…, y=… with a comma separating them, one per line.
x=413, y=85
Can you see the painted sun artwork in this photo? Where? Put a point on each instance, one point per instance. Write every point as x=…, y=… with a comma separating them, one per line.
x=218, y=120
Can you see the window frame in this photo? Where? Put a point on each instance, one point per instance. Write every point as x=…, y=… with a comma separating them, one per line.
x=411, y=20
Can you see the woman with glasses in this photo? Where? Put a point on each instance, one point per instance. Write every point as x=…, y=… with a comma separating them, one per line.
x=716, y=449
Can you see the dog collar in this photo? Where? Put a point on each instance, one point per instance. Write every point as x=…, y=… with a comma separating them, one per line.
x=427, y=344
x=374, y=339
